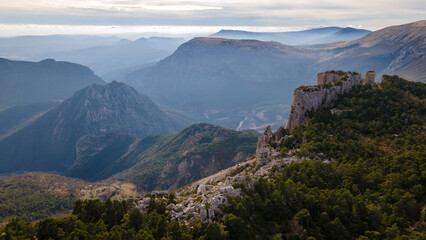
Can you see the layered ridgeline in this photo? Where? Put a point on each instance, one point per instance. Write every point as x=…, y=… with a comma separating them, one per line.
x=111, y=62
x=306, y=37
x=364, y=181
x=54, y=141
x=238, y=83
x=32, y=48
x=29, y=82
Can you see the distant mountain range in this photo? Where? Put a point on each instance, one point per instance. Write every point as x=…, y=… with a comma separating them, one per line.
x=111, y=62
x=306, y=37
x=109, y=57
x=31, y=47
x=224, y=81
x=51, y=143
x=24, y=82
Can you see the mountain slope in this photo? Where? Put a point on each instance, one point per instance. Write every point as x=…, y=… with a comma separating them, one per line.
x=14, y=118
x=49, y=143
x=193, y=153
x=211, y=76
x=305, y=37
x=28, y=82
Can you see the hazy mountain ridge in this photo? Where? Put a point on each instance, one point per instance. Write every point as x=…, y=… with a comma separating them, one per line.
x=24, y=82
x=305, y=37
x=210, y=76
x=111, y=62
x=228, y=77
x=32, y=47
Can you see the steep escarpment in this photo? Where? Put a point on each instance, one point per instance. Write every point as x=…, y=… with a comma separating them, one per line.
x=331, y=84
x=49, y=143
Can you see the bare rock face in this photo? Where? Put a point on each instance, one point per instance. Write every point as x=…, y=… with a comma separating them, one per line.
x=331, y=84
x=268, y=136
x=329, y=77
x=369, y=77
x=202, y=200
x=264, y=139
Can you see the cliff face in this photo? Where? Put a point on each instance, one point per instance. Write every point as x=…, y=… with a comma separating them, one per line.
x=331, y=84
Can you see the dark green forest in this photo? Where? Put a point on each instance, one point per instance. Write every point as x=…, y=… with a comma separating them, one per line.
x=374, y=187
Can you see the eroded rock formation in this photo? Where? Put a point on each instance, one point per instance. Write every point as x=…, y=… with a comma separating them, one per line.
x=331, y=84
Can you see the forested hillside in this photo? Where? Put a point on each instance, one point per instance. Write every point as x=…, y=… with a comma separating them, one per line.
x=372, y=187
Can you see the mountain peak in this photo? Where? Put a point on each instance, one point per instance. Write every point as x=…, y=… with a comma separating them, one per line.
x=49, y=143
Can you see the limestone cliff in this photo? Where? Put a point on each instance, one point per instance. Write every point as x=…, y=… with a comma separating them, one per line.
x=331, y=84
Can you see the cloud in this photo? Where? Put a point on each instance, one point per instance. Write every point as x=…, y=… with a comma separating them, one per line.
x=182, y=7
x=267, y=13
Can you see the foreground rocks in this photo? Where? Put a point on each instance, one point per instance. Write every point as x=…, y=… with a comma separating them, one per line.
x=203, y=200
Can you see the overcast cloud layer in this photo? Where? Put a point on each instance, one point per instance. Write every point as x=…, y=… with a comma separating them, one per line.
x=249, y=13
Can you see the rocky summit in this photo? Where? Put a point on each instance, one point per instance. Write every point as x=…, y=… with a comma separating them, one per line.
x=51, y=142
x=331, y=84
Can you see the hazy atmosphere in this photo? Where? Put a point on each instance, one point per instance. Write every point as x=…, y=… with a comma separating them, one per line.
x=24, y=17
x=212, y=119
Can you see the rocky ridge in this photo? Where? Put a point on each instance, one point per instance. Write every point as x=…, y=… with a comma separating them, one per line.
x=331, y=84
x=203, y=200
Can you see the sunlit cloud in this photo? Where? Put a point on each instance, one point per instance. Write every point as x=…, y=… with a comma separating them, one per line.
x=257, y=13
x=182, y=8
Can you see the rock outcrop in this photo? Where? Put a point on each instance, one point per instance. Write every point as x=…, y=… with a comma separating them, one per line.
x=202, y=200
x=331, y=84
x=369, y=77
x=268, y=136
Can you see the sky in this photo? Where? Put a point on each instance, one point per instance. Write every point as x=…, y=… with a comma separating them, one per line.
x=42, y=17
